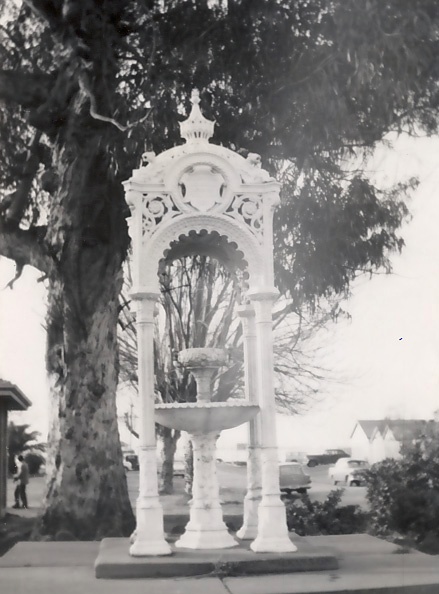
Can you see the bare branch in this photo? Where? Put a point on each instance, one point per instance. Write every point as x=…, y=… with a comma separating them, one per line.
x=129, y=425
x=18, y=272
x=83, y=84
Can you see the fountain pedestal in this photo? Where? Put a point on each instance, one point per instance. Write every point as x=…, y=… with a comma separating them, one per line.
x=206, y=528
x=204, y=420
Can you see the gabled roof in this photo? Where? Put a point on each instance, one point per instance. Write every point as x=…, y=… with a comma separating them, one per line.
x=402, y=429
x=370, y=426
x=407, y=430
x=13, y=396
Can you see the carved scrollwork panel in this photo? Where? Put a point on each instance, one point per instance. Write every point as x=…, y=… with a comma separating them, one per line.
x=156, y=209
x=248, y=209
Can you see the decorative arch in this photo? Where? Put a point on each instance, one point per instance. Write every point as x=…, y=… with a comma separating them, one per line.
x=157, y=245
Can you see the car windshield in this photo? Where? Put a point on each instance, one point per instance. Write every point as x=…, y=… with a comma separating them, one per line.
x=357, y=463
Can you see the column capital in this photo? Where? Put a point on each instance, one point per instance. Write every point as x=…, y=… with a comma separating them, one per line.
x=146, y=309
x=141, y=294
x=246, y=310
x=263, y=294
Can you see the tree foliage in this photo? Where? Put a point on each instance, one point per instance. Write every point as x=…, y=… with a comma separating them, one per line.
x=22, y=440
x=88, y=85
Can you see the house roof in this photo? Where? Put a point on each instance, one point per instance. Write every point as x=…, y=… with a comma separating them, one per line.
x=407, y=430
x=370, y=426
x=402, y=429
x=12, y=396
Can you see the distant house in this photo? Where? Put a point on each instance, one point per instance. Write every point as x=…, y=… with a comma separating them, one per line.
x=385, y=438
x=362, y=436
x=377, y=447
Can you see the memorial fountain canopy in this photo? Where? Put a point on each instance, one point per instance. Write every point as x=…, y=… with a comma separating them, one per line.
x=201, y=198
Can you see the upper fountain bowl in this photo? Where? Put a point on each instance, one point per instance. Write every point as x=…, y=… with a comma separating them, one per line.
x=204, y=417
x=202, y=357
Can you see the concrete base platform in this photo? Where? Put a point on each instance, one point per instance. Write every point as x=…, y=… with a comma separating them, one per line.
x=367, y=566
x=114, y=561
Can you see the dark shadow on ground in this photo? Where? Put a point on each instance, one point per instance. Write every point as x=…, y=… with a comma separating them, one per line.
x=14, y=528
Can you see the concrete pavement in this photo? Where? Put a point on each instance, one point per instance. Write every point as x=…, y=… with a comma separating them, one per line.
x=367, y=565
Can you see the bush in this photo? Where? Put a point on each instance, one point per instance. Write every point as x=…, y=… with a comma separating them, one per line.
x=404, y=494
x=311, y=518
x=34, y=462
x=385, y=484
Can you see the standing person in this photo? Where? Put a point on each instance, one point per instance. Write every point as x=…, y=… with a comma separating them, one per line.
x=15, y=477
x=22, y=478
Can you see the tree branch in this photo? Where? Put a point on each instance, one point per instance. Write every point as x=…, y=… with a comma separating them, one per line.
x=24, y=247
x=83, y=84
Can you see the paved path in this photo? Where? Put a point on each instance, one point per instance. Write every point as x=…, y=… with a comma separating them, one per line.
x=367, y=566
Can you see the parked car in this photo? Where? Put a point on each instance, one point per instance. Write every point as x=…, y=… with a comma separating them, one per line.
x=293, y=478
x=348, y=471
x=130, y=461
x=328, y=457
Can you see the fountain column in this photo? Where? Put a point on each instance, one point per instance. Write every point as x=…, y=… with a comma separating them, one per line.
x=249, y=529
x=272, y=524
x=206, y=528
x=149, y=535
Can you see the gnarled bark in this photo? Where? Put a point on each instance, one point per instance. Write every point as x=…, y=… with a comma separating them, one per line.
x=87, y=493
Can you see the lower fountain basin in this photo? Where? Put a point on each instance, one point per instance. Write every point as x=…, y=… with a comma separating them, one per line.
x=203, y=417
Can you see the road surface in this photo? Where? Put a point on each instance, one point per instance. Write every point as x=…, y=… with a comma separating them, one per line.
x=232, y=480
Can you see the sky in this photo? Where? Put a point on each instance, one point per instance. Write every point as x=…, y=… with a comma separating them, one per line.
x=385, y=358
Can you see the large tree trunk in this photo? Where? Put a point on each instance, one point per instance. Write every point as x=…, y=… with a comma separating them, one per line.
x=87, y=494
x=170, y=438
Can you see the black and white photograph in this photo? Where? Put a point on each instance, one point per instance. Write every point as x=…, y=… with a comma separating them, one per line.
x=219, y=296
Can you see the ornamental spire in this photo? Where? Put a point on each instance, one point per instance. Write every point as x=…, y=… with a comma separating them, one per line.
x=196, y=128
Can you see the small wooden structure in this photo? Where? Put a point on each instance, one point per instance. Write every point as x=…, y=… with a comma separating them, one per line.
x=11, y=398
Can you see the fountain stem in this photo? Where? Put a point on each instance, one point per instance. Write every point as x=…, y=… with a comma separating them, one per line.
x=206, y=528
x=203, y=377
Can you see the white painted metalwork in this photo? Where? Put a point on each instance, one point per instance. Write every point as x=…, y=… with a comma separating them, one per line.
x=186, y=196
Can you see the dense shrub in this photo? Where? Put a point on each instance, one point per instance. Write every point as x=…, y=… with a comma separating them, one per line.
x=404, y=494
x=308, y=518
x=34, y=462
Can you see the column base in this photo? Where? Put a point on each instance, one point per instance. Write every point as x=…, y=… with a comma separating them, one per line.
x=146, y=548
x=247, y=532
x=249, y=528
x=280, y=544
x=149, y=538
x=206, y=539
x=273, y=534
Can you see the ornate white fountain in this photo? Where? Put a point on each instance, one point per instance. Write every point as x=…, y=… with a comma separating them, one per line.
x=204, y=420
x=204, y=198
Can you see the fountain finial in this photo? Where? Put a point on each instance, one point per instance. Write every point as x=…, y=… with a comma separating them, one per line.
x=195, y=97
x=196, y=128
